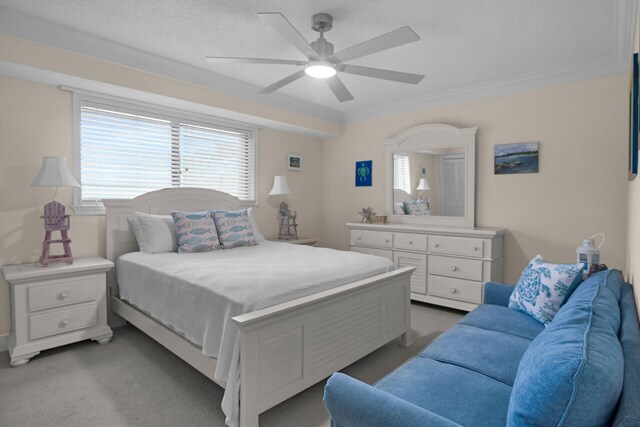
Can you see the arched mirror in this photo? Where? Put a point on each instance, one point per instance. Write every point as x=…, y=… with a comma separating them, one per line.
x=430, y=176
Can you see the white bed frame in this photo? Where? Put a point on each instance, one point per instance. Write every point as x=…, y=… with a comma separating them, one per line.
x=286, y=348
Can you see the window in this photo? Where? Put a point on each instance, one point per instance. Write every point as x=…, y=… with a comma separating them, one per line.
x=401, y=173
x=125, y=152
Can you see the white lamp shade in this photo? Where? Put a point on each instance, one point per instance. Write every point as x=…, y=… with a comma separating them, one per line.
x=280, y=186
x=423, y=184
x=55, y=172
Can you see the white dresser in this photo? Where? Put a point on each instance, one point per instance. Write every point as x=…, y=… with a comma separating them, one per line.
x=56, y=305
x=452, y=264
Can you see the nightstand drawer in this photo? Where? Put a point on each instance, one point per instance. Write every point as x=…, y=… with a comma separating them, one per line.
x=61, y=321
x=372, y=238
x=456, y=267
x=62, y=292
x=456, y=246
x=411, y=242
x=456, y=289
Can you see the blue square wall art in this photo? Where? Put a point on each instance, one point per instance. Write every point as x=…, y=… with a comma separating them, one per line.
x=363, y=173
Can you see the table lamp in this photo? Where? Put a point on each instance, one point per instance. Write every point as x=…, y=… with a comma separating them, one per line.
x=55, y=172
x=422, y=185
x=286, y=220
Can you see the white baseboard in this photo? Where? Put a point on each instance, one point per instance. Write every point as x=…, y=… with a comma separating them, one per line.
x=3, y=343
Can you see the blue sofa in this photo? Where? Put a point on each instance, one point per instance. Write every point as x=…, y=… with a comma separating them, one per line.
x=500, y=367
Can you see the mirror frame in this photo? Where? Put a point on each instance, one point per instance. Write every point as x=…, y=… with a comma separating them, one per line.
x=431, y=136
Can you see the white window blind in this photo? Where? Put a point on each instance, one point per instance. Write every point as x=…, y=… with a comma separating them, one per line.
x=125, y=153
x=401, y=173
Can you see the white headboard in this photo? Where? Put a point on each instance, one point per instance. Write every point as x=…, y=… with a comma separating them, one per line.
x=120, y=239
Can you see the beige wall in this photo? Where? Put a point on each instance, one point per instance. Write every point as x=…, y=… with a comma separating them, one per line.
x=35, y=120
x=633, y=232
x=581, y=188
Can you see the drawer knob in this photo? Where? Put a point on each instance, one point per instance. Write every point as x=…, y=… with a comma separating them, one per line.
x=359, y=238
x=411, y=242
x=453, y=290
x=436, y=245
x=475, y=248
x=65, y=321
x=454, y=268
x=64, y=294
x=386, y=240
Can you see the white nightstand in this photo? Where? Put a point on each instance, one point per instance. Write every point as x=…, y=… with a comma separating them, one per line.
x=56, y=305
x=310, y=241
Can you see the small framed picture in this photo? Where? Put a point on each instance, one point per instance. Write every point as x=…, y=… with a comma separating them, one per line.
x=294, y=162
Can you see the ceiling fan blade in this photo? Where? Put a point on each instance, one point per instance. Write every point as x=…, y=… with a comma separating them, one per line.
x=394, y=38
x=279, y=23
x=235, y=60
x=280, y=83
x=339, y=89
x=379, y=73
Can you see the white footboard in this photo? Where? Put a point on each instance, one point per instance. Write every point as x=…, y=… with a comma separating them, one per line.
x=289, y=347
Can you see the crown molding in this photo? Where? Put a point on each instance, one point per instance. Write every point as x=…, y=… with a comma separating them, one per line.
x=40, y=31
x=618, y=62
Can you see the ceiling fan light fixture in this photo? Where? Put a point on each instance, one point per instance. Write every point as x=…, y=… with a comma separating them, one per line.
x=320, y=69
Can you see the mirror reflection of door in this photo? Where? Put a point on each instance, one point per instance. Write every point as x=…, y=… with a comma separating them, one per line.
x=452, y=168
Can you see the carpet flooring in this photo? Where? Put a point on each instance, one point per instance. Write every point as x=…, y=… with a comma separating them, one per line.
x=134, y=381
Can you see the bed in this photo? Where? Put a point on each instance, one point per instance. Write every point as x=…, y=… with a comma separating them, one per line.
x=282, y=342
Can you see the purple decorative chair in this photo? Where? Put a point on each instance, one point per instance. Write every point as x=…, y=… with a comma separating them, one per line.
x=55, y=219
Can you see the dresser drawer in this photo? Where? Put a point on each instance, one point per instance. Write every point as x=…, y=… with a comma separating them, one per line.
x=456, y=246
x=410, y=242
x=372, y=251
x=419, y=276
x=456, y=267
x=63, y=292
x=61, y=321
x=382, y=239
x=456, y=289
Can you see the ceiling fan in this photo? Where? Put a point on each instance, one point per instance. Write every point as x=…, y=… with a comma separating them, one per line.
x=321, y=62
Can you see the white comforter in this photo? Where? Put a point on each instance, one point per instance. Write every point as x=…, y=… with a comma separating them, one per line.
x=198, y=294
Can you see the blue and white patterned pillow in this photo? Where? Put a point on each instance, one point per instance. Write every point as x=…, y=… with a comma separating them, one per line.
x=417, y=207
x=234, y=228
x=196, y=231
x=544, y=287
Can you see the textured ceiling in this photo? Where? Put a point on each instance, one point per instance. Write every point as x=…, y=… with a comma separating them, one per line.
x=464, y=43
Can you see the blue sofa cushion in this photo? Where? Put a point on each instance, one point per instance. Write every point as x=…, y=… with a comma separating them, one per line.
x=490, y=353
x=572, y=373
x=353, y=403
x=458, y=394
x=628, y=413
x=503, y=319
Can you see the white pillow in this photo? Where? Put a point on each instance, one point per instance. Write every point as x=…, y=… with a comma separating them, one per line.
x=398, y=208
x=154, y=233
x=254, y=225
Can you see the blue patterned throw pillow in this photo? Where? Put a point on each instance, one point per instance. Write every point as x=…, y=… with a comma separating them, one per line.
x=234, y=228
x=544, y=287
x=196, y=231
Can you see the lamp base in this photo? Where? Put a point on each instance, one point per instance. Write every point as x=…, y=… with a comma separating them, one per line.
x=46, y=259
x=55, y=219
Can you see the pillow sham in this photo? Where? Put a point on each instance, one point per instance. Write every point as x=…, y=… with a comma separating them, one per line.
x=544, y=287
x=416, y=207
x=398, y=208
x=154, y=233
x=196, y=231
x=234, y=228
x=254, y=225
